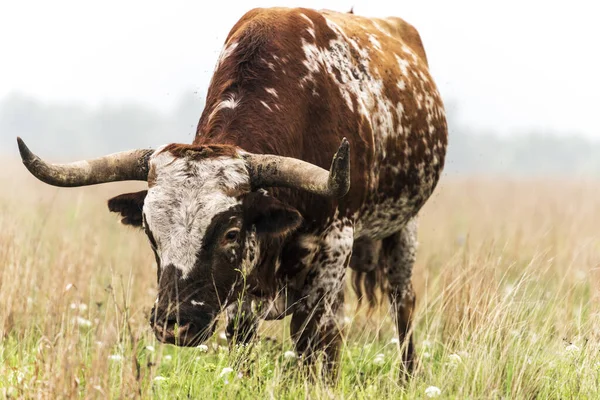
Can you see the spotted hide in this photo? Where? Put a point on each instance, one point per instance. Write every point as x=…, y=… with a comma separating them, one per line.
x=253, y=217
x=294, y=82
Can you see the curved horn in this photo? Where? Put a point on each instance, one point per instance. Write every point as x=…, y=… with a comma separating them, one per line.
x=122, y=166
x=270, y=170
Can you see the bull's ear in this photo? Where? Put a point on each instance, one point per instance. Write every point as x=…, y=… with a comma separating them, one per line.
x=129, y=205
x=269, y=215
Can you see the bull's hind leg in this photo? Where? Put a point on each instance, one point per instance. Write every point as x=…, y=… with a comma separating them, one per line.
x=399, y=252
x=318, y=316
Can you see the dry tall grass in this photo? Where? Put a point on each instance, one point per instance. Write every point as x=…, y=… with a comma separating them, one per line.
x=506, y=278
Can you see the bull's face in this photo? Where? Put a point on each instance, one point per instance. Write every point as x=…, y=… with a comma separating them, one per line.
x=205, y=228
x=203, y=216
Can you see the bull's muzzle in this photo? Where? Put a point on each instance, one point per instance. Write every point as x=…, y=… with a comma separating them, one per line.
x=183, y=331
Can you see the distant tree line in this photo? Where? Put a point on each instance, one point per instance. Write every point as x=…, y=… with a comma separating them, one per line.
x=64, y=131
x=69, y=130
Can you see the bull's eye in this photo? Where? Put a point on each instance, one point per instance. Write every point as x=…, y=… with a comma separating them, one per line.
x=232, y=235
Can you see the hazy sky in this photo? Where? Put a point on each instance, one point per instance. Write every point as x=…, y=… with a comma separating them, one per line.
x=508, y=64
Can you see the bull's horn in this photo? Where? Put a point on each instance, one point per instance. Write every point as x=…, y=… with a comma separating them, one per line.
x=122, y=166
x=271, y=171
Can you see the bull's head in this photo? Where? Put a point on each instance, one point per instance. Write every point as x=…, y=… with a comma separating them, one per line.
x=205, y=216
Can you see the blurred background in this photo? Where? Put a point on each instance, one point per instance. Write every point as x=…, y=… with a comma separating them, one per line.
x=520, y=79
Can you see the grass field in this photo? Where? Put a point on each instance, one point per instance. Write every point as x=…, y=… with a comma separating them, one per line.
x=506, y=278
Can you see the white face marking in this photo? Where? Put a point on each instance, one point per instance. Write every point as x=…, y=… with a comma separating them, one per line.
x=184, y=199
x=311, y=32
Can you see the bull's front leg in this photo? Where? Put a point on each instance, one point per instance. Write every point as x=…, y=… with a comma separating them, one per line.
x=242, y=321
x=318, y=317
x=243, y=317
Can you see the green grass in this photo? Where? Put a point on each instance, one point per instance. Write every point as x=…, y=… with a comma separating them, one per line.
x=506, y=279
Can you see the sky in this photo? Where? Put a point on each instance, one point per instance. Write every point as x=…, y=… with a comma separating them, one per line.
x=504, y=67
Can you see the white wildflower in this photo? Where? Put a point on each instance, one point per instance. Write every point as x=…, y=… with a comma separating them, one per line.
x=371, y=390
x=99, y=343
x=289, y=355
x=115, y=357
x=379, y=359
x=159, y=378
x=20, y=375
x=433, y=391
x=454, y=359
x=572, y=348
x=79, y=306
x=347, y=320
x=222, y=335
x=202, y=347
x=426, y=355
x=426, y=344
x=69, y=287
x=460, y=239
x=534, y=338
x=84, y=323
x=167, y=358
x=394, y=340
x=225, y=373
x=150, y=348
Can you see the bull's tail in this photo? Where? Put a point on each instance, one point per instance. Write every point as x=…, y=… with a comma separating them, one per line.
x=371, y=285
